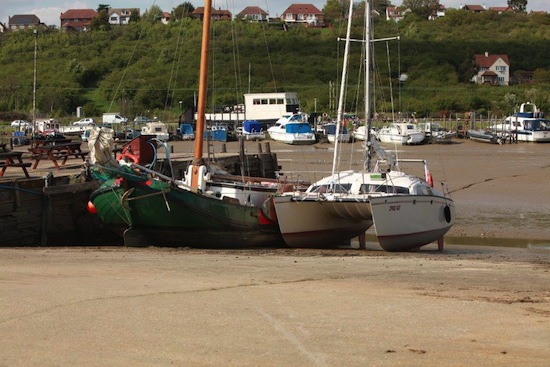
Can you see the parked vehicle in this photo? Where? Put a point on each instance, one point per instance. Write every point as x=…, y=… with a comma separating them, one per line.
x=142, y=120
x=113, y=118
x=156, y=128
x=85, y=122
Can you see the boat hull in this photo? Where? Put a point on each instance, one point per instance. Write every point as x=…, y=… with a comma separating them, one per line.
x=315, y=222
x=406, y=222
x=158, y=214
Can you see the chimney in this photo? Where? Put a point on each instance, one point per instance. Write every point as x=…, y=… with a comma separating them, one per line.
x=486, y=54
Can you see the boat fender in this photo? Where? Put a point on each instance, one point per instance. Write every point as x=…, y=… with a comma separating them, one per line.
x=447, y=213
x=430, y=179
x=91, y=208
x=130, y=156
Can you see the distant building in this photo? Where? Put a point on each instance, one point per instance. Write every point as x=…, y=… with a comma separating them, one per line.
x=438, y=13
x=473, y=8
x=395, y=13
x=77, y=19
x=218, y=14
x=500, y=9
x=3, y=28
x=121, y=16
x=23, y=21
x=253, y=14
x=306, y=14
x=492, y=69
x=165, y=17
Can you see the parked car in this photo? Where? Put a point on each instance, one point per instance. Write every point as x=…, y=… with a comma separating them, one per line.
x=85, y=122
x=142, y=119
x=22, y=123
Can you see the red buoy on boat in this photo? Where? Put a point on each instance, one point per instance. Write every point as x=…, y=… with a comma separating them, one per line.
x=91, y=208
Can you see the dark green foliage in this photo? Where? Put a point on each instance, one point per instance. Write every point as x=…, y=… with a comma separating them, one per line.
x=147, y=67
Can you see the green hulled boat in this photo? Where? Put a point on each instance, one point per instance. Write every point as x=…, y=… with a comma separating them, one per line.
x=159, y=213
x=149, y=208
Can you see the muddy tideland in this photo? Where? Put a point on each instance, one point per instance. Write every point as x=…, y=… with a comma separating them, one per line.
x=466, y=306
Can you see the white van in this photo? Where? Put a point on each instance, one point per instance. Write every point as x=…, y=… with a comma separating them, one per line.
x=113, y=118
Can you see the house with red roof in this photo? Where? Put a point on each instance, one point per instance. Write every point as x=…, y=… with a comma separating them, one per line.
x=474, y=8
x=500, y=9
x=253, y=14
x=217, y=14
x=23, y=21
x=77, y=19
x=306, y=14
x=492, y=69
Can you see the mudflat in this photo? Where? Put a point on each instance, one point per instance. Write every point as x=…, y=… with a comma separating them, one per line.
x=465, y=306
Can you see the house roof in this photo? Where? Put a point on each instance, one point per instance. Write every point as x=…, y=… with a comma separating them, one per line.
x=474, y=7
x=26, y=19
x=219, y=12
x=78, y=14
x=486, y=61
x=489, y=73
x=302, y=9
x=500, y=8
x=252, y=10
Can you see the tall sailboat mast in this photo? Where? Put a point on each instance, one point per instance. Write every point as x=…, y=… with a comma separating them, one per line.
x=203, y=86
x=339, y=116
x=368, y=143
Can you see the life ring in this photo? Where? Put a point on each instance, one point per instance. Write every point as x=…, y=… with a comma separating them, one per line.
x=130, y=156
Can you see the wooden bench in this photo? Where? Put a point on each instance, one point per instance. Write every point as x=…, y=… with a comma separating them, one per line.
x=57, y=151
x=13, y=159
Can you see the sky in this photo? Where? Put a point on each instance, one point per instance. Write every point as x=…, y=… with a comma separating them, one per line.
x=48, y=11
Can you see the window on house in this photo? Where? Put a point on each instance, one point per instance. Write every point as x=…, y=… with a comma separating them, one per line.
x=501, y=68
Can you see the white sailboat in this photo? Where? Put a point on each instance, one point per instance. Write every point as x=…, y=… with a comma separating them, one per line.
x=406, y=210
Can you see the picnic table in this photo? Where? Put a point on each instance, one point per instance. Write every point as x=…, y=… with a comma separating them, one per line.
x=55, y=152
x=13, y=159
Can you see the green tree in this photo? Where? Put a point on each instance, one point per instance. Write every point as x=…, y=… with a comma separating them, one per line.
x=423, y=8
x=153, y=14
x=334, y=10
x=183, y=10
x=101, y=20
x=518, y=5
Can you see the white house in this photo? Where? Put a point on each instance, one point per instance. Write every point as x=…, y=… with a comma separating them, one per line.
x=492, y=69
x=121, y=16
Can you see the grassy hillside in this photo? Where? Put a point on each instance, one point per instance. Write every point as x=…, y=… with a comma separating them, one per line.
x=146, y=68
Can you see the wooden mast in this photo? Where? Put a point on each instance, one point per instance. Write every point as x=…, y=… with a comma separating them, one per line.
x=203, y=85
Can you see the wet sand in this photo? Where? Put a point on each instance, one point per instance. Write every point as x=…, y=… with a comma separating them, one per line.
x=466, y=306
